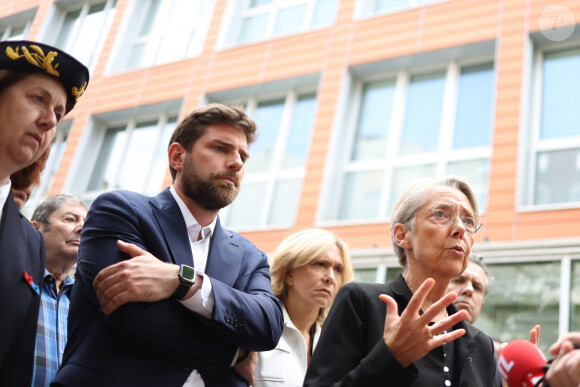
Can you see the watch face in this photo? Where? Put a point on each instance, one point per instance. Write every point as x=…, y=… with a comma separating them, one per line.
x=187, y=272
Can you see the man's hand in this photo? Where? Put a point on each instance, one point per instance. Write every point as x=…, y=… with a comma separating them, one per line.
x=535, y=335
x=143, y=278
x=247, y=367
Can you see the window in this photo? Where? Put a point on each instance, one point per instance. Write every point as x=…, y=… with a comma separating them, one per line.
x=17, y=26
x=132, y=155
x=258, y=20
x=409, y=126
x=81, y=29
x=162, y=31
x=554, y=156
x=521, y=296
x=52, y=164
x=366, y=8
x=275, y=170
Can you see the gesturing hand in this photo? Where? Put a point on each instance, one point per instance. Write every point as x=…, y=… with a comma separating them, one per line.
x=408, y=336
x=247, y=367
x=143, y=278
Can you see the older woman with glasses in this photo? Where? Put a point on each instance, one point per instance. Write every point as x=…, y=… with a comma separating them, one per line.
x=408, y=332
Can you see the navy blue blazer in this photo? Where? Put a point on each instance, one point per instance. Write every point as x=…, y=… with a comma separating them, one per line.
x=21, y=250
x=351, y=350
x=160, y=343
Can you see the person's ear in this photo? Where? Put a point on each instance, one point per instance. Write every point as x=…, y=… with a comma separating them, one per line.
x=37, y=225
x=289, y=278
x=176, y=155
x=401, y=236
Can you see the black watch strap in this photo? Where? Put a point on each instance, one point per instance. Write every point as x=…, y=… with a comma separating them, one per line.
x=186, y=277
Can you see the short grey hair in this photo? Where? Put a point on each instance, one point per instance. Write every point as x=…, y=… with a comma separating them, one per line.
x=415, y=196
x=478, y=260
x=53, y=203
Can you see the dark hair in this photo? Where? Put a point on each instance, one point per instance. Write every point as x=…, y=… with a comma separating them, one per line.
x=478, y=260
x=10, y=77
x=192, y=127
x=53, y=203
x=30, y=176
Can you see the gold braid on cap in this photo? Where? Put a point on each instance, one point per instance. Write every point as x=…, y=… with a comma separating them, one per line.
x=77, y=92
x=37, y=58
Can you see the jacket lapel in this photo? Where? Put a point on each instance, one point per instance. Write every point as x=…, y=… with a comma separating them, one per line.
x=225, y=256
x=170, y=220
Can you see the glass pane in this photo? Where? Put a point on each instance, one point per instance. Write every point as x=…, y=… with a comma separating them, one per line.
x=159, y=167
x=138, y=156
x=267, y=116
x=392, y=273
x=88, y=37
x=178, y=31
x=423, y=114
x=285, y=202
x=17, y=32
x=290, y=20
x=325, y=12
x=521, y=296
x=404, y=177
x=66, y=30
x=373, y=121
x=476, y=172
x=560, y=94
x=109, y=159
x=361, y=194
x=136, y=55
x=253, y=28
x=575, y=297
x=390, y=5
x=365, y=275
x=149, y=21
x=246, y=210
x=473, y=120
x=300, y=132
x=557, y=177
x=259, y=3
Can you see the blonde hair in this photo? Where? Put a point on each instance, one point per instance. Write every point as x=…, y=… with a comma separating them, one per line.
x=301, y=248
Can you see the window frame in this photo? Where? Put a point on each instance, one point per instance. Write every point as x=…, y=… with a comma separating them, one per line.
x=276, y=173
x=391, y=161
x=532, y=143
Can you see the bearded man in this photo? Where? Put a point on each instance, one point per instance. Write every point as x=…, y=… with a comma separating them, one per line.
x=164, y=295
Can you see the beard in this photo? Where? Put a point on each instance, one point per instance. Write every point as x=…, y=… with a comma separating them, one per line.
x=207, y=191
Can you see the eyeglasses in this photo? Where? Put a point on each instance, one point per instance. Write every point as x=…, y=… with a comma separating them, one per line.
x=445, y=215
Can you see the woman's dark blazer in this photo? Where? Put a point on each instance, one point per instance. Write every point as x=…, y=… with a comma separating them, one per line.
x=351, y=350
x=21, y=251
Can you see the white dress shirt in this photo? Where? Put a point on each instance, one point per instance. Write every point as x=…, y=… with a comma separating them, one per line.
x=201, y=302
x=4, y=192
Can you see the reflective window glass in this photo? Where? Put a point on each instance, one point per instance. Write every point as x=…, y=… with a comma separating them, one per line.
x=473, y=118
x=557, y=177
x=285, y=202
x=476, y=172
x=374, y=119
x=253, y=28
x=290, y=20
x=575, y=297
x=268, y=117
x=300, y=133
x=521, y=296
x=403, y=177
x=423, y=114
x=361, y=194
x=247, y=208
x=365, y=275
x=324, y=13
x=560, y=94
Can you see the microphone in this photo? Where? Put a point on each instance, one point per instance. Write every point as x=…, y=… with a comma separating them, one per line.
x=520, y=363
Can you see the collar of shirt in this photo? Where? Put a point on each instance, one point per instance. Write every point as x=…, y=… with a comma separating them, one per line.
x=193, y=227
x=50, y=284
x=4, y=191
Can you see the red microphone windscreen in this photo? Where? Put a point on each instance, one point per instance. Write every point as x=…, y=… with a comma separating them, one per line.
x=520, y=363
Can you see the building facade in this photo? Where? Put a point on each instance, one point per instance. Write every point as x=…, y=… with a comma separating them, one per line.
x=354, y=99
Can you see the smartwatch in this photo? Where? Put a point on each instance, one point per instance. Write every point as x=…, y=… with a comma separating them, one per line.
x=186, y=277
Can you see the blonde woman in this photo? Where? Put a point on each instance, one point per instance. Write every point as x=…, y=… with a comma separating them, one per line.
x=308, y=268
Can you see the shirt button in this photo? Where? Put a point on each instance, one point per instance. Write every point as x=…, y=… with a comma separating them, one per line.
x=445, y=369
x=447, y=383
